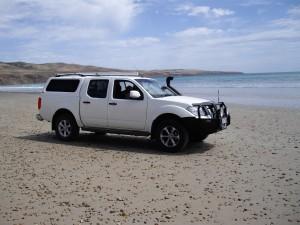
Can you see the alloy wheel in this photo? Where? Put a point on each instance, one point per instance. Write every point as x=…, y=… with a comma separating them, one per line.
x=169, y=136
x=64, y=128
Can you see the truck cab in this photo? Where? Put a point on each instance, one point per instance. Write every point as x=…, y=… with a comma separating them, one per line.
x=128, y=104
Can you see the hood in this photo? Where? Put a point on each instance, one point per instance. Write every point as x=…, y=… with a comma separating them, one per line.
x=184, y=100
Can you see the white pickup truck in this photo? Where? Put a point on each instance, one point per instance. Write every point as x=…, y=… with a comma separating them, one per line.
x=128, y=104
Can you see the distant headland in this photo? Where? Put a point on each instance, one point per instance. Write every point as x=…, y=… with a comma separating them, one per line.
x=24, y=73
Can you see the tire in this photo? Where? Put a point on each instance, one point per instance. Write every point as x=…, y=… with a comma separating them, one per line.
x=199, y=138
x=171, y=136
x=66, y=128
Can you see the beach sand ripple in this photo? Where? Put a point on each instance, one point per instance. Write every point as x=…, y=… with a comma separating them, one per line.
x=247, y=174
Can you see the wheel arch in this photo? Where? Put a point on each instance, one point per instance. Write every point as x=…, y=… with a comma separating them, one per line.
x=61, y=112
x=162, y=117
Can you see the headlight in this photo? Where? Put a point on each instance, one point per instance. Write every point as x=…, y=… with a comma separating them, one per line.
x=221, y=112
x=203, y=113
x=193, y=110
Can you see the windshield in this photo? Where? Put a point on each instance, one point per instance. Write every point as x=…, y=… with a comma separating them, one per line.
x=154, y=89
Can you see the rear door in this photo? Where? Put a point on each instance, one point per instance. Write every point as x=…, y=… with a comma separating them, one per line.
x=93, y=103
x=123, y=112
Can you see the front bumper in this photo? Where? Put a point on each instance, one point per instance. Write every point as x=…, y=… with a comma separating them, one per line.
x=220, y=119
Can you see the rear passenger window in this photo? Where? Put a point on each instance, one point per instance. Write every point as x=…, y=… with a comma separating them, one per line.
x=98, y=88
x=60, y=85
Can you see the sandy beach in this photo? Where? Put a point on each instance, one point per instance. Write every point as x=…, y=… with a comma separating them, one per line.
x=247, y=174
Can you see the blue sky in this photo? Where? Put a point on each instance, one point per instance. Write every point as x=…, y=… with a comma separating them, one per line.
x=239, y=35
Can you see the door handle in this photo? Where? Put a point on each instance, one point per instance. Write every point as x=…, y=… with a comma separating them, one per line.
x=112, y=103
x=86, y=102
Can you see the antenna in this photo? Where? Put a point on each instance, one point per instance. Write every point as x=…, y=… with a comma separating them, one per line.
x=218, y=96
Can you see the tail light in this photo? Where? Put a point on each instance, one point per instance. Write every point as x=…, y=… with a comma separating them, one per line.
x=39, y=103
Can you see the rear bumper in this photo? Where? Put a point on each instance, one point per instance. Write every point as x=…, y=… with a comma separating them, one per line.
x=39, y=117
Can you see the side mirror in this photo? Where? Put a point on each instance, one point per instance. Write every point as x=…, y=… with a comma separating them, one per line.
x=134, y=94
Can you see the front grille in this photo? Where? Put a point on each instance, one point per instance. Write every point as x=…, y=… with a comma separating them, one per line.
x=208, y=109
x=212, y=110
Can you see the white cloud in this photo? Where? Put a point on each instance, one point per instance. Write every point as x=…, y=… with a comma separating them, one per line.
x=219, y=12
x=110, y=15
x=255, y=2
x=117, y=14
x=197, y=32
x=193, y=10
x=272, y=46
x=287, y=22
x=98, y=32
x=137, y=42
x=129, y=43
x=261, y=36
x=294, y=12
x=207, y=11
x=281, y=30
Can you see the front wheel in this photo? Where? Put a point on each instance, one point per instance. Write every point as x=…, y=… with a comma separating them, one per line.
x=171, y=136
x=66, y=128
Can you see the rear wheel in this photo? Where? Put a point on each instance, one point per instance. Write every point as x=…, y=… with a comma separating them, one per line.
x=66, y=128
x=171, y=136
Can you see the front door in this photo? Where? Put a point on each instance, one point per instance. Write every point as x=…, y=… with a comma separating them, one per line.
x=126, y=113
x=93, y=104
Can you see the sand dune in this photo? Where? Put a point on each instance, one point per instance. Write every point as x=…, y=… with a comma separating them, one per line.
x=247, y=174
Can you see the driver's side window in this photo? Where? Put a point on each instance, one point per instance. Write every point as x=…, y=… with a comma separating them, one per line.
x=122, y=89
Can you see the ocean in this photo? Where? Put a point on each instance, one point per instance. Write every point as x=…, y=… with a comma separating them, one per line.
x=260, y=89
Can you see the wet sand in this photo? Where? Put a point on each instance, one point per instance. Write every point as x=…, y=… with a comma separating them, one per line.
x=247, y=174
